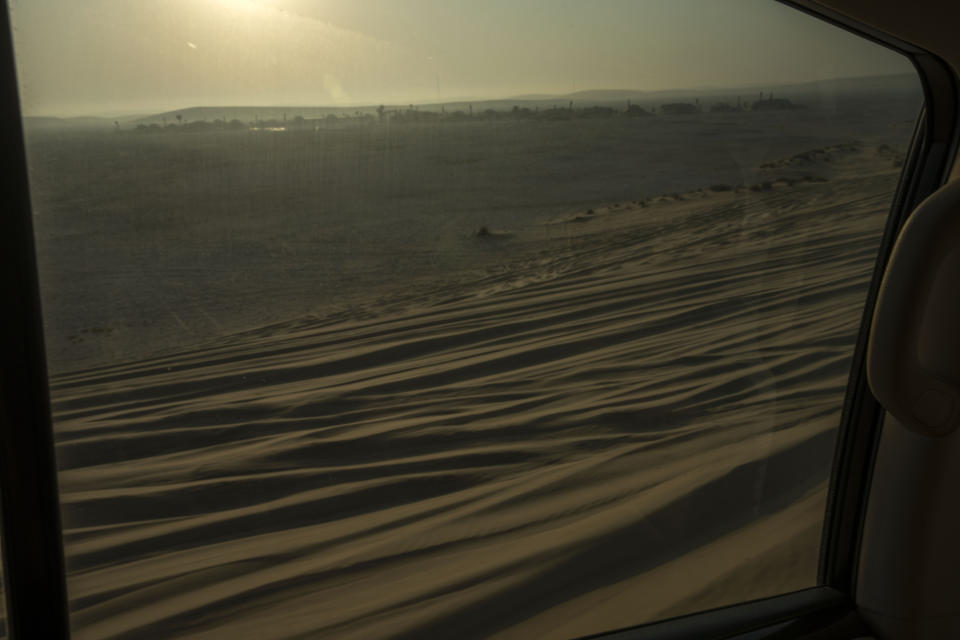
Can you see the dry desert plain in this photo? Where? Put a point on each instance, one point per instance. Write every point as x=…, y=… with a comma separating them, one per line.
x=617, y=406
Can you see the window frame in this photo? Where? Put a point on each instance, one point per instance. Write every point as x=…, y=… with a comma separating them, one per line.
x=813, y=607
x=33, y=558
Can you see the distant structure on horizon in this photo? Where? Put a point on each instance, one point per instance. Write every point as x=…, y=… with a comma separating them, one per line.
x=771, y=104
x=635, y=111
x=679, y=108
x=726, y=107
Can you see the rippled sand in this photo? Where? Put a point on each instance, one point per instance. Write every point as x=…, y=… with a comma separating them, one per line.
x=634, y=424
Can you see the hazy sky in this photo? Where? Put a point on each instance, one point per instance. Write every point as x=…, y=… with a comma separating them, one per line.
x=139, y=56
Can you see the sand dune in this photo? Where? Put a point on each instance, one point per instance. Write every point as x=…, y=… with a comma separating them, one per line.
x=632, y=424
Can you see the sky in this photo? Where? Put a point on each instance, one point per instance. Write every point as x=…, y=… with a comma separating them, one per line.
x=121, y=57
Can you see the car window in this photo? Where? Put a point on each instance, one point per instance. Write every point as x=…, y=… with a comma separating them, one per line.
x=447, y=319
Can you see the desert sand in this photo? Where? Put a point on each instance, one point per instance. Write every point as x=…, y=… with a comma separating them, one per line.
x=633, y=423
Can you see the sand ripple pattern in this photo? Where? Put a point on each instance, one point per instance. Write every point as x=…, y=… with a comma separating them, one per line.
x=637, y=423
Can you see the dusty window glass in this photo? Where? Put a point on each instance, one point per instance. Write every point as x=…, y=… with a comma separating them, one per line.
x=447, y=319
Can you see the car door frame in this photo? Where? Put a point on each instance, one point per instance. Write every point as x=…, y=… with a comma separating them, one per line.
x=33, y=560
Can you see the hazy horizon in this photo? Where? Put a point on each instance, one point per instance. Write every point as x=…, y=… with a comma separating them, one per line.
x=708, y=92
x=111, y=58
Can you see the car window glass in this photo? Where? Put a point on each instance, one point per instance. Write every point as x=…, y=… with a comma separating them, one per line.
x=447, y=319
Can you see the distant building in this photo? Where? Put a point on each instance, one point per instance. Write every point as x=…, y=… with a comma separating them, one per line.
x=725, y=107
x=677, y=108
x=771, y=104
x=636, y=111
x=596, y=112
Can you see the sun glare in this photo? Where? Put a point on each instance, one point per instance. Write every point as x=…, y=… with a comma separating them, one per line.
x=241, y=5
